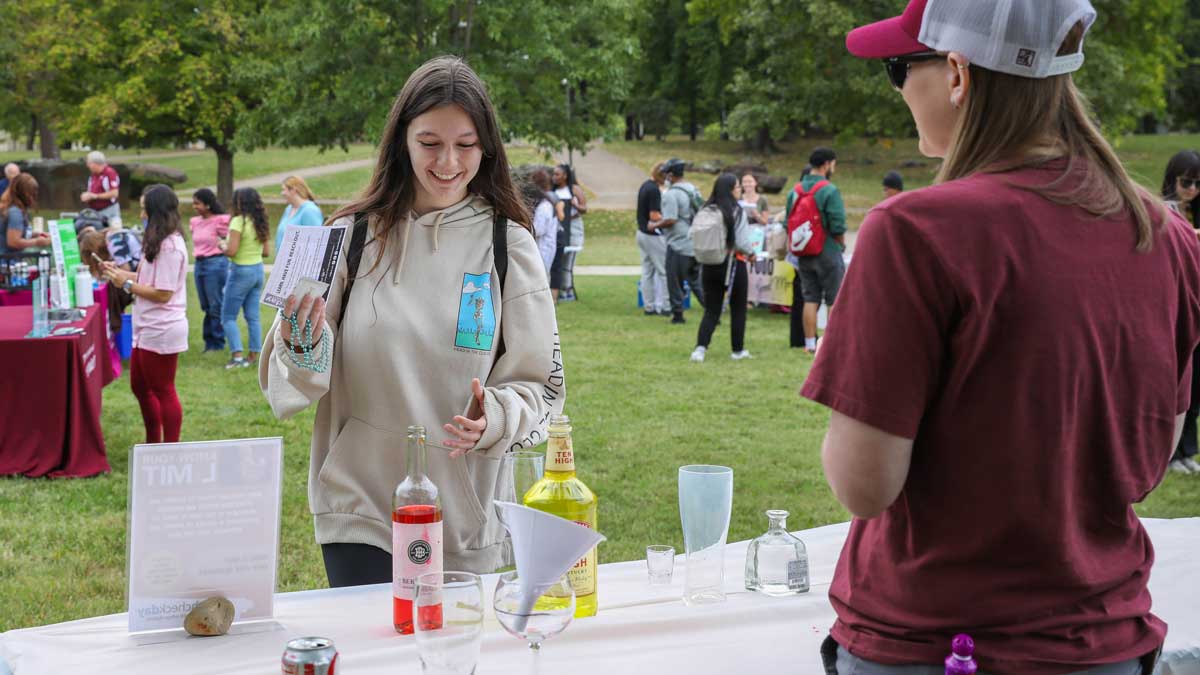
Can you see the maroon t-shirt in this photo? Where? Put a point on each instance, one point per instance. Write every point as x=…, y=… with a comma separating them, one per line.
x=1039, y=363
x=102, y=182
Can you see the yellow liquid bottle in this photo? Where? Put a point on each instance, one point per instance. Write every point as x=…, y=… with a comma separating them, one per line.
x=559, y=492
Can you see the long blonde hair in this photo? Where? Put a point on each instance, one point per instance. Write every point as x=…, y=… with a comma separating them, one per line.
x=297, y=183
x=1008, y=117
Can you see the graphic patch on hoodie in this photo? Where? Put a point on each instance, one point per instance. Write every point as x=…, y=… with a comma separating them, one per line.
x=476, y=315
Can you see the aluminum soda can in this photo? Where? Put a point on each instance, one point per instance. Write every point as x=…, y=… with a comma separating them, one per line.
x=310, y=656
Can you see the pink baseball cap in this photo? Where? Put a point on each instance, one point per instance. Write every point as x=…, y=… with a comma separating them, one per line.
x=896, y=36
x=1019, y=37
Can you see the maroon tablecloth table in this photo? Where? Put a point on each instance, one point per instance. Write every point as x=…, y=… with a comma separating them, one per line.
x=50, y=401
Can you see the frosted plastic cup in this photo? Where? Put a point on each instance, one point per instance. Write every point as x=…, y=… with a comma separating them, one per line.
x=705, y=502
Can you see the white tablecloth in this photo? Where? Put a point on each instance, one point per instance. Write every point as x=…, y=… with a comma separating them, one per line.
x=639, y=628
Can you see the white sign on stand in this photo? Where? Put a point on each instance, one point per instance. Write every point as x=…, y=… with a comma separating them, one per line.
x=203, y=521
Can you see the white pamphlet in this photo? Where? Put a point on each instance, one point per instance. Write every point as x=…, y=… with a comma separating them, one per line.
x=306, y=252
x=203, y=521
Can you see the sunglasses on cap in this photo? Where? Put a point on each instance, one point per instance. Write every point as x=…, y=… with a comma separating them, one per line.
x=898, y=66
x=1188, y=183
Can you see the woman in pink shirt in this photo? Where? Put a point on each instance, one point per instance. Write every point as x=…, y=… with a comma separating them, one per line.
x=160, y=326
x=209, y=226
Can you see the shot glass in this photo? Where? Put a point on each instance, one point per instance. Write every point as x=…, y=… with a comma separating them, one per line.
x=660, y=563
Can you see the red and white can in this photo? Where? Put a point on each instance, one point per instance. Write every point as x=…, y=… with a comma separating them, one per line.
x=310, y=656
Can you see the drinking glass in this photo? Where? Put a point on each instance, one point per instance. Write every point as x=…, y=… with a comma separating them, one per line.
x=518, y=472
x=550, y=615
x=705, y=502
x=660, y=563
x=449, y=625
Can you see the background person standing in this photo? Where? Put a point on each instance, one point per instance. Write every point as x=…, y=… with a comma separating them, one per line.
x=570, y=207
x=1181, y=191
x=679, y=205
x=249, y=242
x=209, y=227
x=652, y=244
x=160, y=324
x=104, y=186
x=819, y=277
x=301, y=209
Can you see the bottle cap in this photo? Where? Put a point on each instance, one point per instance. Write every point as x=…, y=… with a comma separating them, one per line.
x=962, y=645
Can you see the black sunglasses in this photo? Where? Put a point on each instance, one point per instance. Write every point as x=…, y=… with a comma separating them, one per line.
x=898, y=66
x=1188, y=183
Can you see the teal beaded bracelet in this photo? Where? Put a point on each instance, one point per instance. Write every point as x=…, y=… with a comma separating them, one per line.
x=305, y=358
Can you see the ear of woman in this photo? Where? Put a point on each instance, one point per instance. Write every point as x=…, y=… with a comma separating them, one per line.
x=960, y=79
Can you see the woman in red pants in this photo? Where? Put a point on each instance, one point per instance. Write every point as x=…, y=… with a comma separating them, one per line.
x=160, y=326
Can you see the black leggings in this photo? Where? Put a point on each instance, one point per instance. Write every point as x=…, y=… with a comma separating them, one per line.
x=356, y=565
x=713, y=278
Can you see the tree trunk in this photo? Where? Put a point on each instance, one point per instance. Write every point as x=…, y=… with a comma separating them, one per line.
x=692, y=116
x=763, y=143
x=48, y=139
x=33, y=128
x=470, y=23
x=224, y=173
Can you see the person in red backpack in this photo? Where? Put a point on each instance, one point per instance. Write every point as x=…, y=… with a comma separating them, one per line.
x=819, y=276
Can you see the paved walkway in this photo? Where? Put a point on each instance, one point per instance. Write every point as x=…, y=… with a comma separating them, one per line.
x=614, y=181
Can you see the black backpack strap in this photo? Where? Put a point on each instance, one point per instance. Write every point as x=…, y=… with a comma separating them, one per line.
x=358, y=240
x=500, y=254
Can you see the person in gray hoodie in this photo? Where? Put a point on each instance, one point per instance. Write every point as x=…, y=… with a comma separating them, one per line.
x=679, y=205
x=434, y=334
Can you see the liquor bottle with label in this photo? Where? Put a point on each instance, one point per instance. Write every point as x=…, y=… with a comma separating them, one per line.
x=777, y=562
x=560, y=493
x=416, y=536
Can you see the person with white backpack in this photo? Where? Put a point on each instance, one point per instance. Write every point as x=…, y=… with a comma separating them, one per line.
x=720, y=237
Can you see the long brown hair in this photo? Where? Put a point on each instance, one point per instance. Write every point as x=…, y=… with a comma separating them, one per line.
x=248, y=204
x=21, y=193
x=162, y=218
x=445, y=80
x=998, y=133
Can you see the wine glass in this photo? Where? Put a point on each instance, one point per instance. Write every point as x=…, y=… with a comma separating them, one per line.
x=549, y=616
x=449, y=622
x=518, y=472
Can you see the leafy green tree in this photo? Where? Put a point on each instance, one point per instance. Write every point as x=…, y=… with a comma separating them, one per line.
x=534, y=58
x=176, y=71
x=42, y=66
x=797, y=74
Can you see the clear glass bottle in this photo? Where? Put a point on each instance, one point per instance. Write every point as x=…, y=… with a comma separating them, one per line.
x=416, y=535
x=777, y=562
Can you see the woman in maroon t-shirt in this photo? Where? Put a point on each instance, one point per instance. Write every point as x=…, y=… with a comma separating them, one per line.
x=1008, y=365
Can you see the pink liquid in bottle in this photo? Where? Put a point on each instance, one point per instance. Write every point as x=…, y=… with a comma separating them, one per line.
x=961, y=660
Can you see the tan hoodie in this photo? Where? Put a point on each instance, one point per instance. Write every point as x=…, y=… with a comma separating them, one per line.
x=420, y=326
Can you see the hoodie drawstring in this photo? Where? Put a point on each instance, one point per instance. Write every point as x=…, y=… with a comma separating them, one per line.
x=408, y=226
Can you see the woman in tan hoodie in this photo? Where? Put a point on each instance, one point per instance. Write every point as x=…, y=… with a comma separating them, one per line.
x=434, y=334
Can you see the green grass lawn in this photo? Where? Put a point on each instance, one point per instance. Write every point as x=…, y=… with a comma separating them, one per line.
x=862, y=163
x=640, y=410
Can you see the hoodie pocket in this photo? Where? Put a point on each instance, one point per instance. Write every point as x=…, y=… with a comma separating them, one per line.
x=362, y=470
x=366, y=463
x=462, y=502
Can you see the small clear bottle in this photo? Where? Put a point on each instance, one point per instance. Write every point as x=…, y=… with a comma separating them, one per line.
x=777, y=562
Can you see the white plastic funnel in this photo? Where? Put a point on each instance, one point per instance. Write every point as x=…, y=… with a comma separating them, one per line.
x=544, y=546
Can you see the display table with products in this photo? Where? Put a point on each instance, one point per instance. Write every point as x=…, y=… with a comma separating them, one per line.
x=639, y=628
x=50, y=401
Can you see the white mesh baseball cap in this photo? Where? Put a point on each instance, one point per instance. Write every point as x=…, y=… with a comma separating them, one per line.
x=1019, y=37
